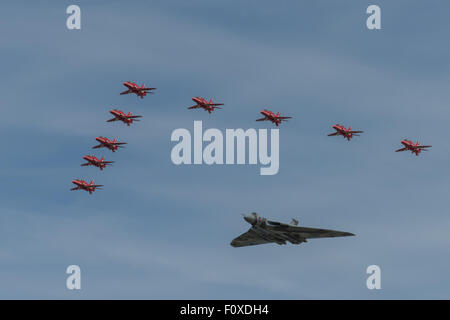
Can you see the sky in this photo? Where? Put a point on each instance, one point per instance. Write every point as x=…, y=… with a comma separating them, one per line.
x=161, y=231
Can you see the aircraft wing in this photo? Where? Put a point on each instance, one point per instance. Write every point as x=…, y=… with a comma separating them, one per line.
x=313, y=233
x=134, y=117
x=424, y=147
x=195, y=107
x=125, y=92
x=402, y=149
x=249, y=238
x=112, y=120
x=119, y=143
x=356, y=131
x=333, y=134
x=284, y=117
x=214, y=104
x=261, y=119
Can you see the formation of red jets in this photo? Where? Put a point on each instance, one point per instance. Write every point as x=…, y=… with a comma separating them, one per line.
x=349, y=134
x=407, y=144
x=277, y=119
x=113, y=145
x=210, y=106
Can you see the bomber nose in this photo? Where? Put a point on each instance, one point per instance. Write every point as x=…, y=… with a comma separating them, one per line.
x=249, y=218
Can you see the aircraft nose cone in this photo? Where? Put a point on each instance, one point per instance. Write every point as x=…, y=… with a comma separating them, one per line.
x=249, y=218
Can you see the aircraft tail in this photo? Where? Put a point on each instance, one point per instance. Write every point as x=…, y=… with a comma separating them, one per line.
x=294, y=222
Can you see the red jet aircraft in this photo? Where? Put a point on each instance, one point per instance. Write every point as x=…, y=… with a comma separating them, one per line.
x=122, y=116
x=134, y=88
x=342, y=131
x=106, y=143
x=270, y=116
x=94, y=161
x=413, y=147
x=203, y=103
x=83, y=185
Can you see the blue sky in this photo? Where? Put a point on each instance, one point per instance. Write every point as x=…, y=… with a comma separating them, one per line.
x=161, y=231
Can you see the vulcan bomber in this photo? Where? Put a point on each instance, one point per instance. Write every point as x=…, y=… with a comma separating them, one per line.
x=267, y=231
